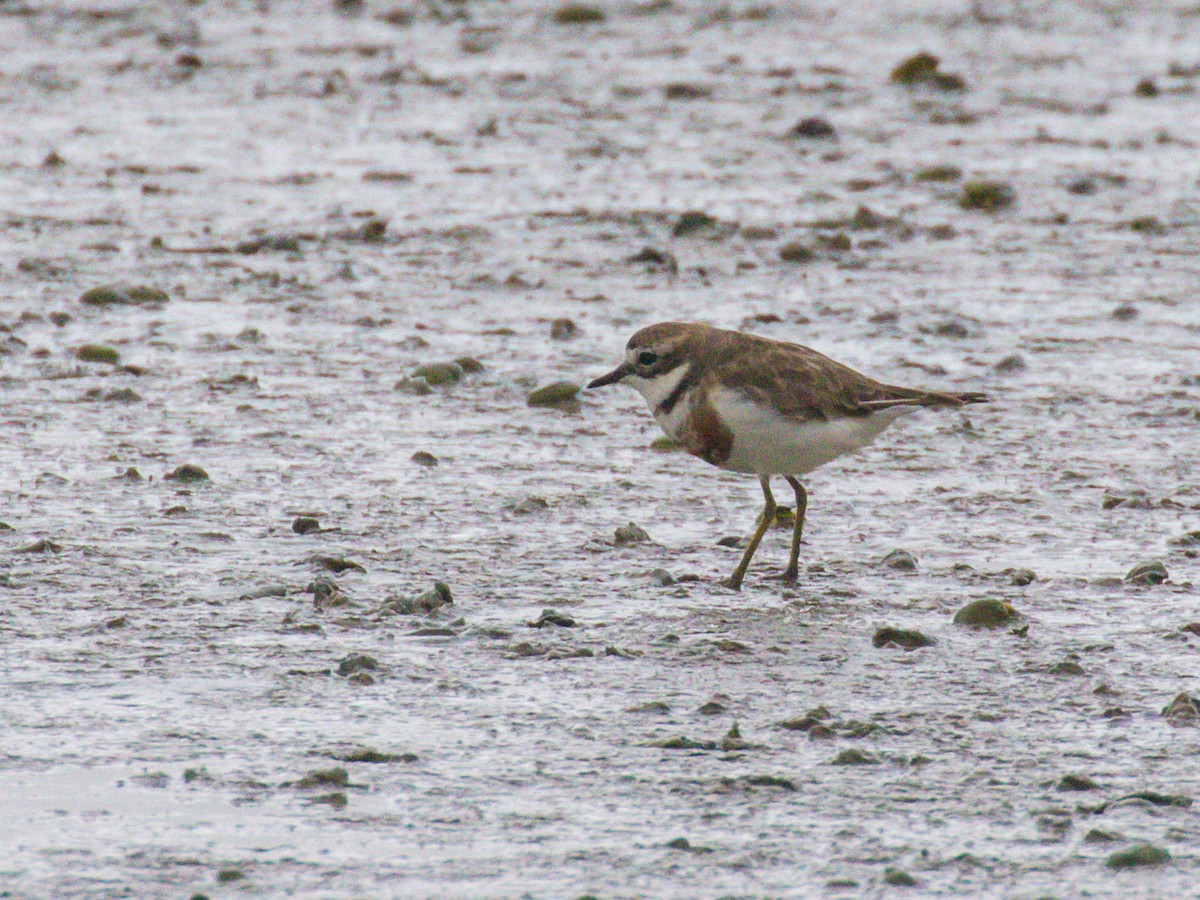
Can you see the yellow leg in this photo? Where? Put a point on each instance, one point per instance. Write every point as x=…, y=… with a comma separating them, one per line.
x=768, y=516
x=792, y=572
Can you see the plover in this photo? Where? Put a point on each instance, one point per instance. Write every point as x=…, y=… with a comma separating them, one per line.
x=749, y=404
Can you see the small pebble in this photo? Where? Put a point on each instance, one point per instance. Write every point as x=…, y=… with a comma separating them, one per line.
x=357, y=662
x=922, y=69
x=1023, y=577
x=812, y=127
x=559, y=395
x=1014, y=362
x=1067, y=667
x=1150, y=572
x=1146, y=88
x=986, y=614
x=655, y=259
x=97, y=353
x=852, y=756
x=187, y=474
x=551, y=617
x=987, y=196
x=899, y=878
x=630, y=534
x=796, y=252
x=900, y=560
x=907, y=640
x=692, y=221
x=337, y=777
x=1183, y=710
x=469, y=364
x=682, y=90
x=530, y=506
x=578, y=14
x=335, y=564
x=123, y=295
x=1137, y=856
x=771, y=781
x=436, y=374
x=418, y=387
x=939, y=173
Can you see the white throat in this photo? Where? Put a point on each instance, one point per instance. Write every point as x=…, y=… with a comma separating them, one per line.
x=657, y=389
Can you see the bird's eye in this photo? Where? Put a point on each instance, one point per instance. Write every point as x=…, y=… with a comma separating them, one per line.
x=647, y=358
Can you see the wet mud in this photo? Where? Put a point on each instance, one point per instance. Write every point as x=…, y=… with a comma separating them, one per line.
x=320, y=577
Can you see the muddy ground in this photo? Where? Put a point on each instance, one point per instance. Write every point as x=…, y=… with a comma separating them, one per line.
x=295, y=207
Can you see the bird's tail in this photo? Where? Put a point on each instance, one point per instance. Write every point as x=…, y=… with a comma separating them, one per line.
x=898, y=396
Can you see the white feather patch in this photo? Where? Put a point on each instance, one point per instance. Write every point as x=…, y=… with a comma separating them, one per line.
x=766, y=443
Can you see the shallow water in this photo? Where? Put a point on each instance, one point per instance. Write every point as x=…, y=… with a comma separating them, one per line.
x=167, y=677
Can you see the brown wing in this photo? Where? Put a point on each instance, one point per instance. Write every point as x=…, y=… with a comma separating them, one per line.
x=804, y=384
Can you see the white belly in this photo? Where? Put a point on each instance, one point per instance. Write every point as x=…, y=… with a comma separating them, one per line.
x=765, y=443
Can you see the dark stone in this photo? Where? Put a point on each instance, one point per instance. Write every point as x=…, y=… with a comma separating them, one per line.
x=630, y=534
x=1183, y=710
x=367, y=755
x=1014, y=362
x=97, y=353
x=922, y=69
x=1146, y=88
x=899, y=878
x=852, y=756
x=812, y=127
x=986, y=614
x=797, y=252
x=123, y=295
x=682, y=90
x=187, y=474
x=1149, y=572
x=335, y=564
x=987, y=196
x=559, y=395
x=1067, y=667
x=550, y=617
x=900, y=560
x=357, y=662
x=908, y=640
x=1023, y=577
x=939, y=173
x=563, y=329
x=1138, y=856
x=771, y=781
x=655, y=258
x=321, y=778
x=578, y=14
x=691, y=222
x=305, y=525
x=437, y=374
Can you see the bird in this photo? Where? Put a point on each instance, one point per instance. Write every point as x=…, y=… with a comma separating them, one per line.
x=764, y=407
